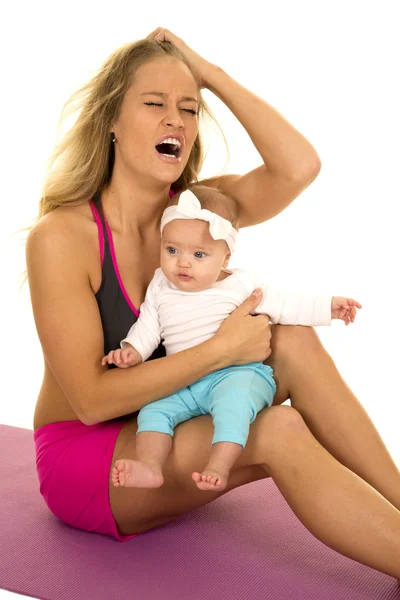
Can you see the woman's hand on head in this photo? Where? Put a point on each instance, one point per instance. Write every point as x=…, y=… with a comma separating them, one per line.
x=244, y=337
x=198, y=65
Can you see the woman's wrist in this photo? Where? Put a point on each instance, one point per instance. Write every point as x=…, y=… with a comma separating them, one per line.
x=212, y=77
x=217, y=351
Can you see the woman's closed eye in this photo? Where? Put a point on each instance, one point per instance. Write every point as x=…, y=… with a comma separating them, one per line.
x=189, y=110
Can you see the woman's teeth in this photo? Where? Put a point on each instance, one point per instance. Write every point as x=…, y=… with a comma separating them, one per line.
x=175, y=147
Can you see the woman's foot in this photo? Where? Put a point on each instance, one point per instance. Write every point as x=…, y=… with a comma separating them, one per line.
x=133, y=473
x=214, y=479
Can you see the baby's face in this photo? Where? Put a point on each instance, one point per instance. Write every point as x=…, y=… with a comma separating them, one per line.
x=190, y=258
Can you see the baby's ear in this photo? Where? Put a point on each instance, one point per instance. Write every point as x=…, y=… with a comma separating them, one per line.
x=226, y=261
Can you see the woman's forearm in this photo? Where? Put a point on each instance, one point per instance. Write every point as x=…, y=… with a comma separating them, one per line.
x=123, y=391
x=283, y=149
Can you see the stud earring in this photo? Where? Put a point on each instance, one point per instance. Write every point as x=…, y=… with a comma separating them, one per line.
x=113, y=138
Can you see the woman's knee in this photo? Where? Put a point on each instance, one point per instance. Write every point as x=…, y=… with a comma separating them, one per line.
x=277, y=429
x=280, y=421
x=293, y=347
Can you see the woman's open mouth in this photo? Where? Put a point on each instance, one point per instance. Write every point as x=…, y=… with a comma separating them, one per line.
x=170, y=149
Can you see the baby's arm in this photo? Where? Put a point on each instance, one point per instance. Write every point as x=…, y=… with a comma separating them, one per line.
x=145, y=335
x=294, y=309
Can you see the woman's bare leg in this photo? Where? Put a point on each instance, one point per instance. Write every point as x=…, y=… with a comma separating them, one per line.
x=335, y=504
x=330, y=409
x=141, y=509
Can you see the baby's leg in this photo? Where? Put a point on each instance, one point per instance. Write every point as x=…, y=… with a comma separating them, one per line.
x=222, y=458
x=156, y=424
x=152, y=449
x=235, y=397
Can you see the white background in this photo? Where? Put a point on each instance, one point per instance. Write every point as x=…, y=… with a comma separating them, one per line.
x=331, y=68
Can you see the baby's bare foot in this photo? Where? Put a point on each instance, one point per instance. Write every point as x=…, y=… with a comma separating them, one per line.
x=211, y=479
x=133, y=473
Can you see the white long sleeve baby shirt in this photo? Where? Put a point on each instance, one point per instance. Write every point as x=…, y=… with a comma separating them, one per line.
x=185, y=319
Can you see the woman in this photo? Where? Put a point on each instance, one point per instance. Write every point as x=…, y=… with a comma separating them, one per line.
x=342, y=483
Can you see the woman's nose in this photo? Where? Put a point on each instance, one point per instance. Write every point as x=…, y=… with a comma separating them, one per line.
x=174, y=118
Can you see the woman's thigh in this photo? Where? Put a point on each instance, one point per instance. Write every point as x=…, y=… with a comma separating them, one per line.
x=138, y=509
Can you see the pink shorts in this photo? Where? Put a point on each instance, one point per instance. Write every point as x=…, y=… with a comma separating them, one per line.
x=73, y=462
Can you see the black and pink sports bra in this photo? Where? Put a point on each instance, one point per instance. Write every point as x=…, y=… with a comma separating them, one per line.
x=116, y=309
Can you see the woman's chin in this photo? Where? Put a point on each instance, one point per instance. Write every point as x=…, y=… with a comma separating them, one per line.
x=168, y=175
x=168, y=167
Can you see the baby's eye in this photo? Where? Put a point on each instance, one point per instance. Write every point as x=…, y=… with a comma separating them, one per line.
x=197, y=254
x=171, y=250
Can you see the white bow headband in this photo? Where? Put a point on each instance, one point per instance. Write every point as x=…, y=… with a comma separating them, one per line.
x=189, y=207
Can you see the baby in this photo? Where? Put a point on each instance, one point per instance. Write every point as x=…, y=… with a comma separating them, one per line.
x=188, y=298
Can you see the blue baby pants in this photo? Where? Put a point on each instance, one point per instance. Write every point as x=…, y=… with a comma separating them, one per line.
x=232, y=396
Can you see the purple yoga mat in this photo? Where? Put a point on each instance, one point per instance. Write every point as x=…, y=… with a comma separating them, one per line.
x=245, y=545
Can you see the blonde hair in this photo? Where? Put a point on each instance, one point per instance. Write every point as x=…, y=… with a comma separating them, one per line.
x=81, y=164
x=214, y=200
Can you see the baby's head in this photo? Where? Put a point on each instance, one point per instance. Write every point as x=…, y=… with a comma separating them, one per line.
x=191, y=258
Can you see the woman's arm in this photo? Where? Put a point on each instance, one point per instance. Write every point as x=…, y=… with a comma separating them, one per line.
x=69, y=328
x=290, y=161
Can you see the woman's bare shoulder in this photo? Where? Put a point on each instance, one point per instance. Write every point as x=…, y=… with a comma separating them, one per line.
x=65, y=227
x=67, y=234
x=67, y=220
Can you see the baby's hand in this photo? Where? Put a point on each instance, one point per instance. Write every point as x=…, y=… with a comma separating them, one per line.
x=345, y=309
x=123, y=357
